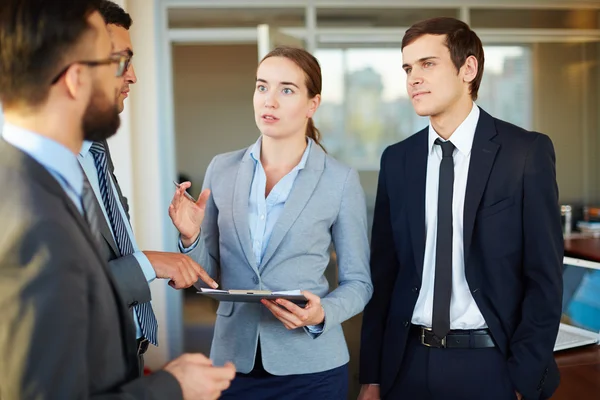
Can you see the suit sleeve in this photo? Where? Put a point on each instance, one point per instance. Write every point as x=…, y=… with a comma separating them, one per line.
x=351, y=243
x=130, y=279
x=384, y=270
x=531, y=348
x=206, y=249
x=44, y=328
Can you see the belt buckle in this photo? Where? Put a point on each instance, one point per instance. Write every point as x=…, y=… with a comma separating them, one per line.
x=441, y=344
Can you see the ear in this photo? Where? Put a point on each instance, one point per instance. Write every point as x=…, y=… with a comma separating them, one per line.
x=75, y=80
x=313, y=105
x=469, y=69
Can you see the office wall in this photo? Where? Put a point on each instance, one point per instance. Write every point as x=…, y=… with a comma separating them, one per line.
x=566, y=108
x=214, y=85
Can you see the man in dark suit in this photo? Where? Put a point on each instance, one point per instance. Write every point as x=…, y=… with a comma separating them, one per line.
x=132, y=268
x=65, y=332
x=466, y=247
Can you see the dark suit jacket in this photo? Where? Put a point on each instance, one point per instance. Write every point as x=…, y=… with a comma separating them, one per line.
x=127, y=271
x=65, y=332
x=513, y=252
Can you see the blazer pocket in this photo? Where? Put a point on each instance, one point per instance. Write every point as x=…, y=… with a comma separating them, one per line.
x=225, y=308
x=496, y=207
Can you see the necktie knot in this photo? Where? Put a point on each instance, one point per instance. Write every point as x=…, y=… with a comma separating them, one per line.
x=97, y=149
x=447, y=147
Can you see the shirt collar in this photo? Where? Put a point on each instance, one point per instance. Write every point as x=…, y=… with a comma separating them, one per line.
x=463, y=136
x=85, y=148
x=255, y=153
x=52, y=155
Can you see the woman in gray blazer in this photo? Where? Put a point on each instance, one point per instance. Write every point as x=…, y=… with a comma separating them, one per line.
x=265, y=220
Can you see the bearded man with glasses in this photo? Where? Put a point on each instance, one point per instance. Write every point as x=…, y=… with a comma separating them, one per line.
x=65, y=331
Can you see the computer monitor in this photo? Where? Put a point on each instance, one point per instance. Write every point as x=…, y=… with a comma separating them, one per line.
x=580, y=322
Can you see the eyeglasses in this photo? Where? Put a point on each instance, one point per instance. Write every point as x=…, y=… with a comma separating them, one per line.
x=122, y=60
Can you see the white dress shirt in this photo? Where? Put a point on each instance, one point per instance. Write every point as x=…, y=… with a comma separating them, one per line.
x=464, y=313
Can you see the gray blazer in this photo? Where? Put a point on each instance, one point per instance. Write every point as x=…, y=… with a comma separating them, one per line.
x=65, y=331
x=326, y=205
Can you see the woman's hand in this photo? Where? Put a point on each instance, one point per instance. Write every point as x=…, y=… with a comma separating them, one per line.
x=186, y=215
x=294, y=316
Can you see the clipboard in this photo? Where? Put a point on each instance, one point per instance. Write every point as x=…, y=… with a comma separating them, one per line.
x=254, y=296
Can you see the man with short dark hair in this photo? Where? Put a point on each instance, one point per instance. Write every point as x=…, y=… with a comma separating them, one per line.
x=467, y=247
x=65, y=332
x=118, y=23
x=133, y=269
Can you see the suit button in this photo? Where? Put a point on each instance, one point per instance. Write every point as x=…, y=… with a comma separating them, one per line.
x=405, y=324
x=255, y=279
x=415, y=289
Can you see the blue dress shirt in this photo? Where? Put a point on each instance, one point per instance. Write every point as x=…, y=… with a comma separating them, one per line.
x=87, y=162
x=58, y=160
x=263, y=212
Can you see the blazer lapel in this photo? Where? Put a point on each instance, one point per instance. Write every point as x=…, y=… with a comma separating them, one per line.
x=104, y=228
x=416, y=174
x=241, y=194
x=303, y=188
x=483, y=154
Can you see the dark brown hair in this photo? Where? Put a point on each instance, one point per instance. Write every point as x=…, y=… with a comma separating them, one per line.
x=460, y=40
x=114, y=14
x=312, y=70
x=35, y=37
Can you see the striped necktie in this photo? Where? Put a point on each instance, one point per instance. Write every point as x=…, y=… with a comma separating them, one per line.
x=145, y=315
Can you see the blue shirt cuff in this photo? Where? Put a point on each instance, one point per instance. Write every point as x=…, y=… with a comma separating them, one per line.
x=186, y=250
x=147, y=269
x=315, y=329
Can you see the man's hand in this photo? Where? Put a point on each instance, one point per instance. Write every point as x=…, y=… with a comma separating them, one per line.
x=519, y=396
x=182, y=271
x=369, y=392
x=198, y=378
x=294, y=316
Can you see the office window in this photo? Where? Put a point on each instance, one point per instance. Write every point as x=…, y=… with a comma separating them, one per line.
x=506, y=89
x=365, y=107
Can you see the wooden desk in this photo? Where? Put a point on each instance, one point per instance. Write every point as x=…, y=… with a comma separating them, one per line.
x=583, y=248
x=579, y=374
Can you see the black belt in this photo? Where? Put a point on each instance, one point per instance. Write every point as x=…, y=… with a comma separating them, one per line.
x=142, y=345
x=455, y=339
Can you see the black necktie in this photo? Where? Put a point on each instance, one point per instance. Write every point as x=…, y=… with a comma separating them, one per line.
x=442, y=290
